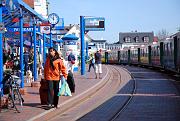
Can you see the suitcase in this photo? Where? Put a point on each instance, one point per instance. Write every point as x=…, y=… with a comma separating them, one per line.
x=43, y=91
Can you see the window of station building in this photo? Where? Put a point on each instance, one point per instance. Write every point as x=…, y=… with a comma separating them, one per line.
x=146, y=39
x=136, y=39
x=127, y=39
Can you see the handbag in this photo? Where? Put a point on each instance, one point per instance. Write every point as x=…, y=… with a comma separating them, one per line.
x=64, y=90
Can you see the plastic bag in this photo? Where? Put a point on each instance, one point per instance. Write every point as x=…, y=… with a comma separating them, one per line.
x=64, y=90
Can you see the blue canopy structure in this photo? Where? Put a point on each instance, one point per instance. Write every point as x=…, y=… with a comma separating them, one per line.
x=12, y=13
x=70, y=37
x=59, y=40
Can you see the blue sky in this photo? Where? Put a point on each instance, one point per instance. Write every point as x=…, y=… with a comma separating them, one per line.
x=121, y=15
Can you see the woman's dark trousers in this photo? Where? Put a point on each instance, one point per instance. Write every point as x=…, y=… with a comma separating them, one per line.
x=91, y=64
x=53, y=92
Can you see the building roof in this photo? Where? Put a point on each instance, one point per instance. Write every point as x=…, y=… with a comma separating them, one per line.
x=133, y=35
x=99, y=41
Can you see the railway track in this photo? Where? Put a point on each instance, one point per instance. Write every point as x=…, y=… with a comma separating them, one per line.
x=155, y=97
x=128, y=100
x=148, y=96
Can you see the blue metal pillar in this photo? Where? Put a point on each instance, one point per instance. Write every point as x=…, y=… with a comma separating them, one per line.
x=87, y=56
x=34, y=38
x=1, y=52
x=21, y=49
x=82, y=29
x=44, y=47
x=51, y=42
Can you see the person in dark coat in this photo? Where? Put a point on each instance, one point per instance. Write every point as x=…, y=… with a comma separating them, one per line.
x=71, y=62
x=98, y=65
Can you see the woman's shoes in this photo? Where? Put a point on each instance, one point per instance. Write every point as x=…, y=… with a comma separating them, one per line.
x=50, y=106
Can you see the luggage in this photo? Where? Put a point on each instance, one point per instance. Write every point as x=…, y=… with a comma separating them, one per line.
x=43, y=91
x=70, y=81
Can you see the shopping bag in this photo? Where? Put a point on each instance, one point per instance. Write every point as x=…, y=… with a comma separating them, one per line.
x=64, y=90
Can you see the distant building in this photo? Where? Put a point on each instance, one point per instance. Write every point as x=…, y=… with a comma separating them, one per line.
x=30, y=3
x=128, y=39
x=100, y=44
x=113, y=47
x=40, y=6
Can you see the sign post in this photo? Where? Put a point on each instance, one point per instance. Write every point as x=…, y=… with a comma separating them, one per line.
x=89, y=24
x=82, y=29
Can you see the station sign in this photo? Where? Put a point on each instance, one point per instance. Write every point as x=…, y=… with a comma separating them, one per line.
x=60, y=25
x=25, y=29
x=94, y=23
x=45, y=29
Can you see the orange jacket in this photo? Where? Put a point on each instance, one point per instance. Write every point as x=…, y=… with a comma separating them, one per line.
x=50, y=74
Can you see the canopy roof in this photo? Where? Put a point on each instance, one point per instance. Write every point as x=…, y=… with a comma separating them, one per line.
x=70, y=37
x=15, y=8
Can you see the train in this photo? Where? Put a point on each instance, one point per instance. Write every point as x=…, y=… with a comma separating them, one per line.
x=164, y=54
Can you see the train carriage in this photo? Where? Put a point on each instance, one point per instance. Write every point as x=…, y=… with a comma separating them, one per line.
x=168, y=54
x=164, y=54
x=155, y=54
x=124, y=56
x=113, y=57
x=177, y=51
x=134, y=55
x=144, y=55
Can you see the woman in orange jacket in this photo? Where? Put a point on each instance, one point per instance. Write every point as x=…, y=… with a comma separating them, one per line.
x=53, y=68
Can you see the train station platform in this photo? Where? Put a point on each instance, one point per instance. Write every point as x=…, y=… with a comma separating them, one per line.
x=32, y=108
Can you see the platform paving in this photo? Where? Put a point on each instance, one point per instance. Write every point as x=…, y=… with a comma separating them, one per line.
x=33, y=110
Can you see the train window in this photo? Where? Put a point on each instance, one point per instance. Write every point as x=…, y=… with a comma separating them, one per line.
x=158, y=51
x=167, y=47
x=154, y=51
x=143, y=52
x=171, y=48
x=146, y=52
x=164, y=49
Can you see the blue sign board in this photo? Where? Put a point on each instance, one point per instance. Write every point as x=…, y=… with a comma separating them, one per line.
x=94, y=23
x=60, y=25
x=25, y=29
